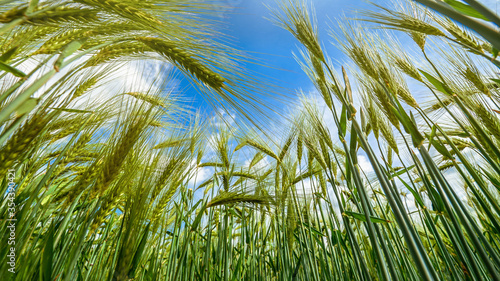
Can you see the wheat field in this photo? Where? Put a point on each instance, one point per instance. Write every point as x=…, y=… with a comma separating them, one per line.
x=390, y=172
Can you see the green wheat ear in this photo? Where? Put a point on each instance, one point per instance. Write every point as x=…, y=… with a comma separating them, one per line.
x=181, y=57
x=226, y=198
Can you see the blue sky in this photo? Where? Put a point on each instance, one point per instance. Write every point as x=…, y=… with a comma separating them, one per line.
x=247, y=24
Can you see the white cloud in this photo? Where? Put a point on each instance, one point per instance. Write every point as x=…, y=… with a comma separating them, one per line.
x=134, y=76
x=199, y=175
x=365, y=164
